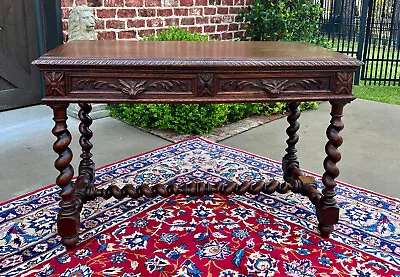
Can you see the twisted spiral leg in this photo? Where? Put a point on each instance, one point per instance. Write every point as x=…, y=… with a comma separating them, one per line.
x=328, y=210
x=290, y=164
x=86, y=165
x=68, y=216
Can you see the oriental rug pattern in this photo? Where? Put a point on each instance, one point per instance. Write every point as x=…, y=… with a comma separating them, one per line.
x=218, y=236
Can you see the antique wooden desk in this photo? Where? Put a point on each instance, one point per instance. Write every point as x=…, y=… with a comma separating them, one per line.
x=87, y=72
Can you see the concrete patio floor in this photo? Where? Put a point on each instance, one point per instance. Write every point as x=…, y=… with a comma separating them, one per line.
x=370, y=152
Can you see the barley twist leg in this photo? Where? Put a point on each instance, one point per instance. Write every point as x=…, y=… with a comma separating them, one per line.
x=290, y=164
x=86, y=165
x=328, y=210
x=68, y=216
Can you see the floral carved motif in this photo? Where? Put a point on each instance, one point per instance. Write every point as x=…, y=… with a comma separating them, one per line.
x=55, y=83
x=344, y=83
x=274, y=87
x=205, y=83
x=133, y=87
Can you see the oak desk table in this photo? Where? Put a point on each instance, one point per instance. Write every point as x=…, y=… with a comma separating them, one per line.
x=87, y=72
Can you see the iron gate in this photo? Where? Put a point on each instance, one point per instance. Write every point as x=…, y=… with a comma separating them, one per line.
x=369, y=31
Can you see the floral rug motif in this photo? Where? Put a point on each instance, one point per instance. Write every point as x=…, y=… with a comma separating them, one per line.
x=235, y=236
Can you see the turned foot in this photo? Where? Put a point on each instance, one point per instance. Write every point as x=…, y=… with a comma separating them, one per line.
x=327, y=216
x=70, y=242
x=68, y=228
x=325, y=230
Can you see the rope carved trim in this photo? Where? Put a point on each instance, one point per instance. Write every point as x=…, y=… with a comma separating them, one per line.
x=184, y=63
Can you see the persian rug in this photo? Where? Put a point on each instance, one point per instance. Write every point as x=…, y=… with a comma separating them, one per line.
x=207, y=236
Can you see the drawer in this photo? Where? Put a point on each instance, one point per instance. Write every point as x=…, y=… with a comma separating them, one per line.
x=195, y=87
x=272, y=85
x=128, y=85
x=199, y=85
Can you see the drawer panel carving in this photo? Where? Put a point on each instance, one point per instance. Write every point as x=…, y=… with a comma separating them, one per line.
x=274, y=87
x=132, y=86
x=185, y=87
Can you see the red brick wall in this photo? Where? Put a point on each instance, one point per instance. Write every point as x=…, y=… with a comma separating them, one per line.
x=131, y=19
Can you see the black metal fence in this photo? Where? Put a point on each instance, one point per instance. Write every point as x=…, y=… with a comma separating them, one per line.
x=369, y=31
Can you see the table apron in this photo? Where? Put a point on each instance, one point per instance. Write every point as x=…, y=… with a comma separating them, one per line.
x=196, y=87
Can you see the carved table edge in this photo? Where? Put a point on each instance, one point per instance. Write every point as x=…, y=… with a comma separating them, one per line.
x=195, y=62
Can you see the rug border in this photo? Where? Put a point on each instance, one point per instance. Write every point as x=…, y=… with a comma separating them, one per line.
x=210, y=142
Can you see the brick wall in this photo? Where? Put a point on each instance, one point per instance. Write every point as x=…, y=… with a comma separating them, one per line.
x=131, y=19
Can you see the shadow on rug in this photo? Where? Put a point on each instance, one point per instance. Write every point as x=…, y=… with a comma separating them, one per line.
x=201, y=236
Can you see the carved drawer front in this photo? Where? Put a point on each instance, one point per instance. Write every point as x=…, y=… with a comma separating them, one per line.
x=200, y=87
x=145, y=86
x=272, y=86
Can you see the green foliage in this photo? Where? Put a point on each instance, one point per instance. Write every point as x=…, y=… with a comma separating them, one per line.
x=193, y=118
x=176, y=33
x=190, y=119
x=308, y=106
x=184, y=119
x=290, y=20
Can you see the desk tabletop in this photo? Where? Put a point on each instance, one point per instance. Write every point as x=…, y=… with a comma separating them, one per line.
x=184, y=53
